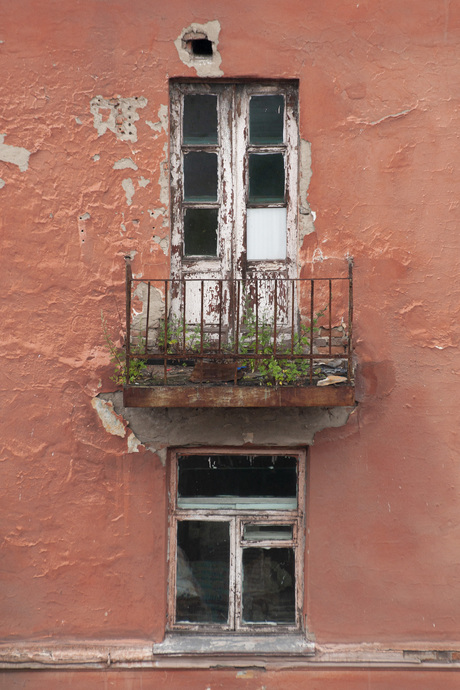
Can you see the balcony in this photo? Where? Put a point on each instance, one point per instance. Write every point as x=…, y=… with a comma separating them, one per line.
x=255, y=342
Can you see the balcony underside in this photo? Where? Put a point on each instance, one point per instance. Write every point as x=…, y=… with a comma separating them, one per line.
x=236, y=396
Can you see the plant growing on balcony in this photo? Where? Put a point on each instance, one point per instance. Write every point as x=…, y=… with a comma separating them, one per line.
x=118, y=358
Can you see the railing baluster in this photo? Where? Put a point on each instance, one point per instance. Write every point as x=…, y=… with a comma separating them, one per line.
x=312, y=304
x=219, y=346
x=330, y=316
x=257, y=316
x=350, y=319
x=292, y=318
x=275, y=316
x=129, y=278
x=147, y=319
x=165, y=373
x=184, y=311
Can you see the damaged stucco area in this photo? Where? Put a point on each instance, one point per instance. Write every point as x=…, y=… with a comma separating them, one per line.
x=160, y=428
x=114, y=424
x=205, y=66
x=117, y=115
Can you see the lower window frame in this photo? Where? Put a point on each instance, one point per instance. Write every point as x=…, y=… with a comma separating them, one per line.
x=237, y=518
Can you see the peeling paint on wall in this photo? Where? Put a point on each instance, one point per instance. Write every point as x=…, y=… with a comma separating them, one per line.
x=203, y=65
x=111, y=422
x=163, y=243
x=306, y=219
x=117, y=115
x=114, y=423
x=124, y=163
x=129, y=190
x=2, y=183
x=14, y=154
x=162, y=124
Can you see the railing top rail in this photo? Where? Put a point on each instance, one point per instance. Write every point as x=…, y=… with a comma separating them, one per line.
x=234, y=280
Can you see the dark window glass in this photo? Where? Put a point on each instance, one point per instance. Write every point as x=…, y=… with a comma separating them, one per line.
x=268, y=585
x=237, y=475
x=203, y=564
x=266, y=178
x=266, y=119
x=200, y=232
x=200, y=119
x=200, y=176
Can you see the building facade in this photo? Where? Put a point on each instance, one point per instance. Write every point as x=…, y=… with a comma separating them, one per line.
x=230, y=344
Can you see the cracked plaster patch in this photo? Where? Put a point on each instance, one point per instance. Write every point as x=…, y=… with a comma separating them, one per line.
x=14, y=154
x=117, y=115
x=205, y=66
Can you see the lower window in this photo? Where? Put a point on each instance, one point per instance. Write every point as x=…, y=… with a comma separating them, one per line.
x=236, y=549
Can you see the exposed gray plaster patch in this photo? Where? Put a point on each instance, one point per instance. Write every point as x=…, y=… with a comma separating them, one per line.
x=162, y=123
x=163, y=242
x=85, y=216
x=96, y=157
x=78, y=121
x=124, y=163
x=306, y=225
x=2, y=183
x=109, y=419
x=203, y=65
x=128, y=187
x=117, y=115
x=157, y=310
x=143, y=182
x=161, y=428
x=14, y=154
x=133, y=443
x=163, y=179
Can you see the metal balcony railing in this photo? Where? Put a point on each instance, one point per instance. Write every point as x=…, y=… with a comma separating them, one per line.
x=247, y=332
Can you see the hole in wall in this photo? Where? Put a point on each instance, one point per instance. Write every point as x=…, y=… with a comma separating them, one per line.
x=201, y=46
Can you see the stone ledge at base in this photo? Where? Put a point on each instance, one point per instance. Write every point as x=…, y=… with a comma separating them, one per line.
x=228, y=644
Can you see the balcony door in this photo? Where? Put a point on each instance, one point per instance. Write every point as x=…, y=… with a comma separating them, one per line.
x=234, y=195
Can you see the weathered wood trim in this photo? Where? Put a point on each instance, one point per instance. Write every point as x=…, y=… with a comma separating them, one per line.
x=236, y=396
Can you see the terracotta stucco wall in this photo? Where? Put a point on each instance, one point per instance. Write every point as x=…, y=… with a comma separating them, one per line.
x=83, y=516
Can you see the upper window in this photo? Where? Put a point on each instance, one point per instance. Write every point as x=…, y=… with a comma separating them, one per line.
x=234, y=177
x=236, y=549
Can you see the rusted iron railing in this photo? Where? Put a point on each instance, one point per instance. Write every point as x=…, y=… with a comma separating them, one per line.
x=256, y=331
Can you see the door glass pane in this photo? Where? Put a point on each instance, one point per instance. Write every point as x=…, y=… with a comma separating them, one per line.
x=200, y=176
x=200, y=232
x=200, y=119
x=203, y=566
x=266, y=233
x=266, y=178
x=268, y=585
x=233, y=481
x=266, y=119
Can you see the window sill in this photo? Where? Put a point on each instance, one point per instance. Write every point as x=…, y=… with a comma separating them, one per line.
x=185, y=644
